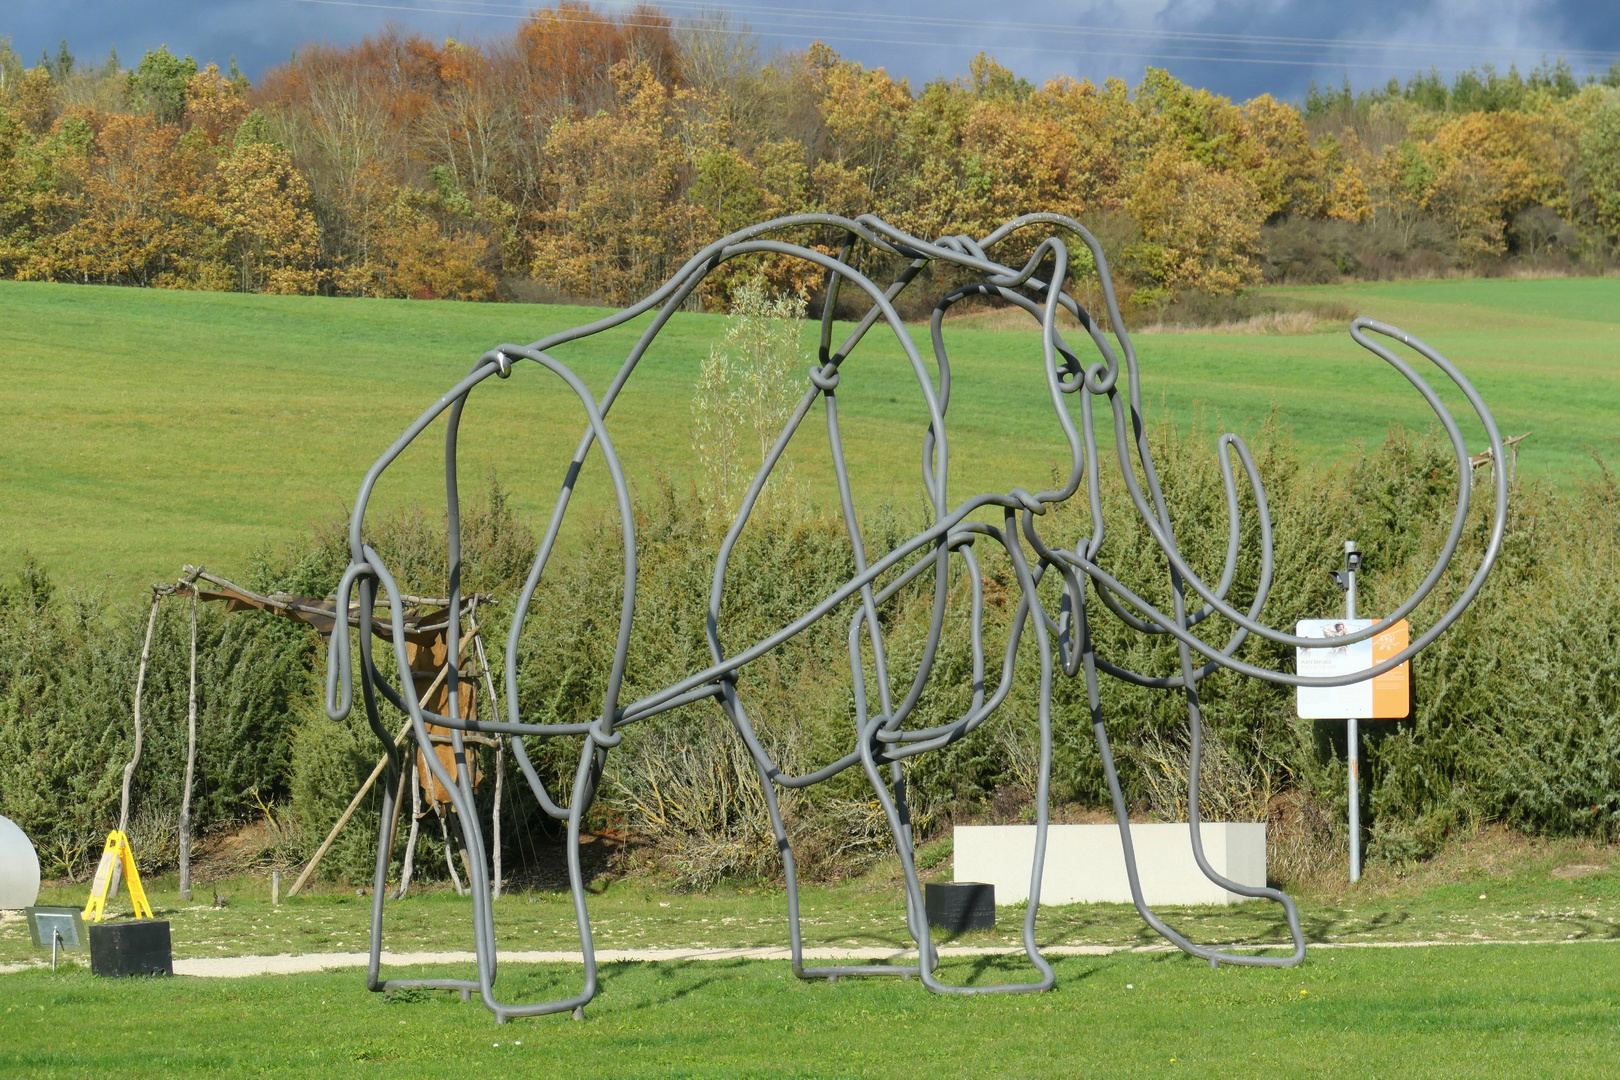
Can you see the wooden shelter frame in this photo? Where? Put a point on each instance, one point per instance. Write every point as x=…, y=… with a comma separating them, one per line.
x=427, y=624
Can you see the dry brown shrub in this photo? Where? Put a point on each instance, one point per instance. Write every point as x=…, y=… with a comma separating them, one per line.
x=1229, y=788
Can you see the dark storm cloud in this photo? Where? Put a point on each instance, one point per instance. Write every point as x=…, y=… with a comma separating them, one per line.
x=1248, y=47
x=1237, y=47
x=1377, y=39
x=258, y=33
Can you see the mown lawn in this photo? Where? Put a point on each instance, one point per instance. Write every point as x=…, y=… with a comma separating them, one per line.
x=1542, y=1008
x=1494, y=887
x=144, y=429
x=1481, y=1011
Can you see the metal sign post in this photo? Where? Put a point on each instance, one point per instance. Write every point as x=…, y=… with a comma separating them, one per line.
x=1385, y=696
x=1347, y=582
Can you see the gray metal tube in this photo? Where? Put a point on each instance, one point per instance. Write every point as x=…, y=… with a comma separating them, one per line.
x=1041, y=285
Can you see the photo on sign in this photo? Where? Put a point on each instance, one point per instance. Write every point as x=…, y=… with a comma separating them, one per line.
x=1386, y=696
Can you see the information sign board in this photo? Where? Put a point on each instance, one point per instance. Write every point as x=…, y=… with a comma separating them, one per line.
x=64, y=924
x=1384, y=697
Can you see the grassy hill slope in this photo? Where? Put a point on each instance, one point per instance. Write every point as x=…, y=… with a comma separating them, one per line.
x=144, y=429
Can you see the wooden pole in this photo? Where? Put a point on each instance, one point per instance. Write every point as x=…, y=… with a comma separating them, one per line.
x=382, y=763
x=500, y=771
x=410, y=841
x=399, y=803
x=449, y=851
x=135, y=756
x=140, y=687
x=191, y=763
x=343, y=820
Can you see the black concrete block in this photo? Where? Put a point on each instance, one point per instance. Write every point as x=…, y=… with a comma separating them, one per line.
x=140, y=947
x=956, y=906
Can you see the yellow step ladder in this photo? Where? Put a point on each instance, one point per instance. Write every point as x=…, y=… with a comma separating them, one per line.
x=116, y=854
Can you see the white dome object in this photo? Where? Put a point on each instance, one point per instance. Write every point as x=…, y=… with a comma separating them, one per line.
x=19, y=867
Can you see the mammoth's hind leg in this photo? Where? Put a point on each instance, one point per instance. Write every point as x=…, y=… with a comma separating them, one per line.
x=768, y=773
x=1258, y=892
x=1214, y=956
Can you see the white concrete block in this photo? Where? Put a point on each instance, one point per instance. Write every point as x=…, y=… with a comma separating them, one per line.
x=1086, y=863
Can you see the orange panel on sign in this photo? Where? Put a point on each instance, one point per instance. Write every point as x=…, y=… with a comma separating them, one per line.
x=1392, y=691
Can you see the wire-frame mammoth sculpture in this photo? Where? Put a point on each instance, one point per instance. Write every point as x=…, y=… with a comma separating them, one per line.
x=881, y=740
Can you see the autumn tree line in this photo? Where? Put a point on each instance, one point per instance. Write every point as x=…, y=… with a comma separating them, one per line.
x=586, y=154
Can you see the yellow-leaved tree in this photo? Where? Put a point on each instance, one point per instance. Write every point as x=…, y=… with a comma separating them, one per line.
x=136, y=187
x=862, y=112
x=617, y=222
x=1490, y=165
x=747, y=389
x=261, y=209
x=1200, y=227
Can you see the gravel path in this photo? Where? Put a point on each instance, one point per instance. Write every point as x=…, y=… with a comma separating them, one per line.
x=236, y=967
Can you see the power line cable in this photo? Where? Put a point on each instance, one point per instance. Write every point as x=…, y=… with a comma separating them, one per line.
x=823, y=24
x=1095, y=31
x=862, y=38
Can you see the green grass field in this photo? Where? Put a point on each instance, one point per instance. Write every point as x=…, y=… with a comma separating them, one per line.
x=1487, y=1011
x=1543, y=1007
x=144, y=429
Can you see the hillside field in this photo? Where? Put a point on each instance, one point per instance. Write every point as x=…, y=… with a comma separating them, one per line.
x=144, y=429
